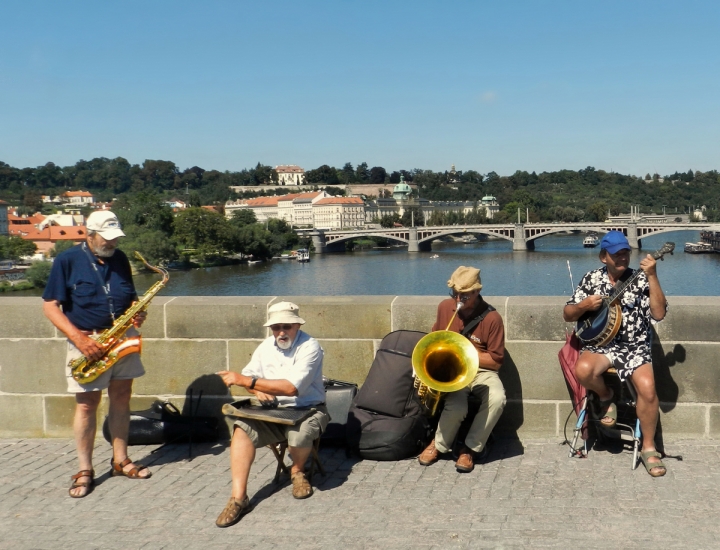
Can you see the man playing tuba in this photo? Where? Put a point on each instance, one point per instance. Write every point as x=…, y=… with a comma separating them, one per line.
x=488, y=337
x=90, y=285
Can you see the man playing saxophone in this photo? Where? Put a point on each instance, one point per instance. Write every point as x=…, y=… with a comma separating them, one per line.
x=488, y=337
x=91, y=285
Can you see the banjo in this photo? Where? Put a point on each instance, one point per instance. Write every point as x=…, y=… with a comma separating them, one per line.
x=599, y=327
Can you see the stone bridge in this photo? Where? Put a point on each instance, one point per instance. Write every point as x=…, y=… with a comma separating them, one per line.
x=522, y=235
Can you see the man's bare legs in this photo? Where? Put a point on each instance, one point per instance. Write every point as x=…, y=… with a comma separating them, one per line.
x=84, y=428
x=119, y=393
x=242, y=454
x=647, y=408
x=589, y=370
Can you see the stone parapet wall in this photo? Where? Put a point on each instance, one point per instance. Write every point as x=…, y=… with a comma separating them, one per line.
x=187, y=339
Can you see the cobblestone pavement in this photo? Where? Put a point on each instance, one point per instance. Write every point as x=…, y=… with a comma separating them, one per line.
x=529, y=495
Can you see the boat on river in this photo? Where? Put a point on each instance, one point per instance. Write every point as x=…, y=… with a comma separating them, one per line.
x=302, y=255
x=591, y=241
x=698, y=248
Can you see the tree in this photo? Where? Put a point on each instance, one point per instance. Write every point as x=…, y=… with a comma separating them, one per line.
x=324, y=174
x=597, y=211
x=347, y=174
x=145, y=209
x=377, y=174
x=390, y=220
x=39, y=273
x=362, y=173
x=14, y=248
x=412, y=215
x=61, y=246
x=395, y=177
x=206, y=233
x=243, y=217
x=153, y=244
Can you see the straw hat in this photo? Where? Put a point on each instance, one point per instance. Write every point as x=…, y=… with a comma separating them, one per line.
x=465, y=279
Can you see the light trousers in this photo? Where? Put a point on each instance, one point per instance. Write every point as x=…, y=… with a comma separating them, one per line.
x=487, y=387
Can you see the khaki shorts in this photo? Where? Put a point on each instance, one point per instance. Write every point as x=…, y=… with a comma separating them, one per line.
x=127, y=368
x=300, y=435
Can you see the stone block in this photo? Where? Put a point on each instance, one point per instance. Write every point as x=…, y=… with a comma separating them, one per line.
x=531, y=371
x=59, y=413
x=240, y=352
x=22, y=416
x=347, y=360
x=523, y=419
x=535, y=318
x=23, y=317
x=171, y=366
x=414, y=312
x=687, y=421
x=362, y=317
x=691, y=318
x=32, y=366
x=419, y=312
x=154, y=326
x=217, y=317
x=714, y=428
x=687, y=372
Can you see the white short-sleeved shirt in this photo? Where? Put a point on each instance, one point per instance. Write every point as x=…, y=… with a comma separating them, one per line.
x=301, y=365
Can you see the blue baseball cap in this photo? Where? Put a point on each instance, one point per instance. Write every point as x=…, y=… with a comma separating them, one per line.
x=614, y=241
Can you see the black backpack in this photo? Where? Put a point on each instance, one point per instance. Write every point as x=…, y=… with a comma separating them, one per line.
x=386, y=420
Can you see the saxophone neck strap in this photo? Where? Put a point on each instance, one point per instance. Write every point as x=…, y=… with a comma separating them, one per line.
x=105, y=286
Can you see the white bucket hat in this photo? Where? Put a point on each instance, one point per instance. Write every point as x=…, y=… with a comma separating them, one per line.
x=283, y=312
x=106, y=224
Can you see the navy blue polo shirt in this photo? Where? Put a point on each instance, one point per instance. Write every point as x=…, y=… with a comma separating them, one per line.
x=74, y=283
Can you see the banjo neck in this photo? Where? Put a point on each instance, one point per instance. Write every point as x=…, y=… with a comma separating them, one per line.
x=657, y=255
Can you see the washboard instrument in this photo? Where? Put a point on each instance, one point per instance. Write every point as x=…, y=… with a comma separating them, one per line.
x=599, y=327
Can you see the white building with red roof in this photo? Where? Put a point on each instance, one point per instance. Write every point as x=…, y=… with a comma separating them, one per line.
x=78, y=198
x=290, y=174
x=339, y=213
x=295, y=208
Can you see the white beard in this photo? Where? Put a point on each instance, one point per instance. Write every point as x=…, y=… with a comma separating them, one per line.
x=104, y=252
x=284, y=344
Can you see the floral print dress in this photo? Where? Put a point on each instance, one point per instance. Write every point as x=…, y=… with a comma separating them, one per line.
x=631, y=347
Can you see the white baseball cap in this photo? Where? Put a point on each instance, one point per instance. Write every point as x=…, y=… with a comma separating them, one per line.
x=284, y=312
x=106, y=224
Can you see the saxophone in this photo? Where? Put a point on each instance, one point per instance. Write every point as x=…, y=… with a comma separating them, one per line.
x=113, y=339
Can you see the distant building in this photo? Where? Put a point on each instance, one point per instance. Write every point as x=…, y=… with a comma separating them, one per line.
x=4, y=218
x=46, y=238
x=339, y=213
x=293, y=208
x=491, y=206
x=77, y=198
x=290, y=174
x=19, y=225
x=176, y=204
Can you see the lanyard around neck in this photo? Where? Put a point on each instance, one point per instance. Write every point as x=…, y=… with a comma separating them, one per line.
x=103, y=285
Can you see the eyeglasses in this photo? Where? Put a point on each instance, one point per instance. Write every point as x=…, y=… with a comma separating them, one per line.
x=277, y=328
x=462, y=296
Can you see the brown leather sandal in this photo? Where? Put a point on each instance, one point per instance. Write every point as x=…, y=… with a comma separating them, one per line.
x=88, y=485
x=301, y=486
x=133, y=473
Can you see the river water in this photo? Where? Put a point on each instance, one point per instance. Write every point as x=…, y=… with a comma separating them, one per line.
x=542, y=272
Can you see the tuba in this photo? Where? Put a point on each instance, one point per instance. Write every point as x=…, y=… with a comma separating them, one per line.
x=443, y=362
x=113, y=339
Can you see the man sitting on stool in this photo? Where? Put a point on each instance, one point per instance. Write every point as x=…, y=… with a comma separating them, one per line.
x=286, y=369
x=488, y=337
x=642, y=304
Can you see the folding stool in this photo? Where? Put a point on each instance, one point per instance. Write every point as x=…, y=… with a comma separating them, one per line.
x=627, y=399
x=279, y=449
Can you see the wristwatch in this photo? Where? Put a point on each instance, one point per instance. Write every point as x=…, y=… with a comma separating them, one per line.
x=252, y=384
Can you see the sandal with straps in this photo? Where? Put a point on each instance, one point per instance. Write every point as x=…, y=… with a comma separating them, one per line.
x=133, y=473
x=87, y=485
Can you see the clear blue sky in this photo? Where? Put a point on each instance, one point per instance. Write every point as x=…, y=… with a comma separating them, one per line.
x=629, y=86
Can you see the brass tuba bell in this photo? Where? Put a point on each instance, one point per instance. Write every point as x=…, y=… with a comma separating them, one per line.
x=444, y=362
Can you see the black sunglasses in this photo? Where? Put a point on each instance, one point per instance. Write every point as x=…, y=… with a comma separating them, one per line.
x=276, y=328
